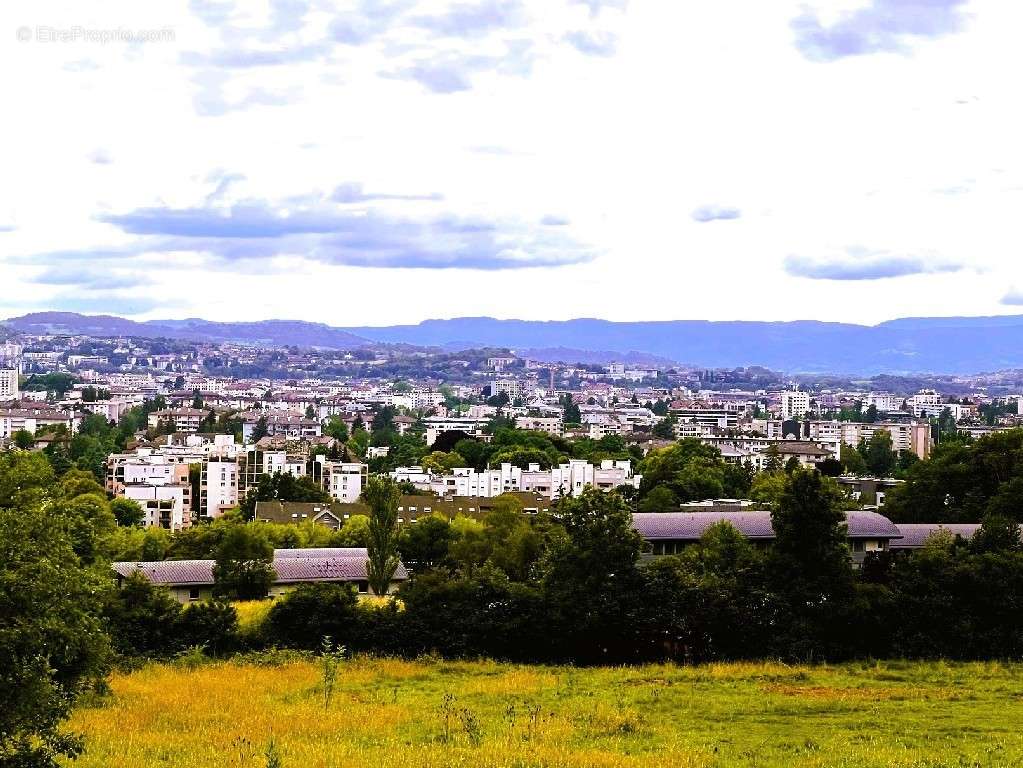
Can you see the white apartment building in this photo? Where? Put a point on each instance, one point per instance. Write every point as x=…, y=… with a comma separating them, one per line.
x=551, y=425
x=290, y=425
x=345, y=481
x=794, y=404
x=435, y=425
x=111, y=409
x=218, y=487
x=924, y=403
x=884, y=402
x=906, y=436
x=184, y=419
x=597, y=430
x=158, y=483
x=720, y=417
x=31, y=419
x=570, y=478
x=9, y=384
x=165, y=506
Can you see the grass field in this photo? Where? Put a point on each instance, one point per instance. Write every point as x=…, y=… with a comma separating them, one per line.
x=434, y=713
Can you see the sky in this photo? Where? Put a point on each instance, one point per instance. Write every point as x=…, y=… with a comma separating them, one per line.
x=375, y=162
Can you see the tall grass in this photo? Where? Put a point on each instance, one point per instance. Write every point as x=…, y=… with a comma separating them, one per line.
x=389, y=713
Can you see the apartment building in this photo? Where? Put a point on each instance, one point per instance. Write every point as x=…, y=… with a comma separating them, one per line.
x=722, y=417
x=31, y=419
x=570, y=478
x=794, y=404
x=218, y=487
x=913, y=436
x=436, y=425
x=345, y=480
x=926, y=402
x=183, y=419
x=111, y=409
x=884, y=402
x=757, y=450
x=906, y=436
x=9, y=387
x=158, y=483
x=551, y=425
x=148, y=465
x=289, y=425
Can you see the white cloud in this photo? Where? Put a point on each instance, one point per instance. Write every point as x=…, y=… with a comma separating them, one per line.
x=486, y=111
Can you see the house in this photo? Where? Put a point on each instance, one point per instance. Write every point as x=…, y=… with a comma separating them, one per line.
x=192, y=580
x=668, y=533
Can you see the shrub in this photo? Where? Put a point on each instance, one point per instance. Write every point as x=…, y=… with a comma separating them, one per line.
x=211, y=625
x=311, y=612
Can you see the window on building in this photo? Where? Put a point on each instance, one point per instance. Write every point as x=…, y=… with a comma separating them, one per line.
x=193, y=594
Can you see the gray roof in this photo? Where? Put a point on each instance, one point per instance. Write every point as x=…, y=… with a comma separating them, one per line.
x=290, y=565
x=914, y=535
x=285, y=554
x=690, y=526
x=178, y=572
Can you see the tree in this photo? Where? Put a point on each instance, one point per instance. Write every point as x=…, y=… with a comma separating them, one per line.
x=23, y=439
x=423, y=545
x=196, y=399
x=51, y=640
x=852, y=460
x=665, y=428
x=244, y=564
x=127, y=512
x=259, y=431
x=768, y=487
x=690, y=469
x=382, y=496
x=336, y=428
x=141, y=618
x=660, y=499
x=354, y=532
x=811, y=574
x=772, y=459
x=572, y=413
x=878, y=454
x=590, y=578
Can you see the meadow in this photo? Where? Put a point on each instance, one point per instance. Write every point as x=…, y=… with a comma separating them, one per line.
x=389, y=713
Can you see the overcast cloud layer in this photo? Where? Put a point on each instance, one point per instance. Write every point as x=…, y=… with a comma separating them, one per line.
x=386, y=161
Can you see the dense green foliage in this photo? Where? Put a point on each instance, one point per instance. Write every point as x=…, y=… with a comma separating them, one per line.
x=52, y=644
x=963, y=481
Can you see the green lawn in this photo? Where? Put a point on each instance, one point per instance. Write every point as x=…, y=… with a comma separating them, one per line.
x=434, y=713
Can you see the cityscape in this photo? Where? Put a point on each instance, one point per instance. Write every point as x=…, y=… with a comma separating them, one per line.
x=511, y=384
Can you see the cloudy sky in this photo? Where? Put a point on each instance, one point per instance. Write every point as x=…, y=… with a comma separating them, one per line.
x=386, y=161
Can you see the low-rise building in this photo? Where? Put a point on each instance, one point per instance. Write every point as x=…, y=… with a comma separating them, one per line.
x=192, y=580
x=669, y=533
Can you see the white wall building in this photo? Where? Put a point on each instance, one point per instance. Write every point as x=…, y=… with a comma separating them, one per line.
x=570, y=478
x=794, y=404
x=218, y=487
x=345, y=481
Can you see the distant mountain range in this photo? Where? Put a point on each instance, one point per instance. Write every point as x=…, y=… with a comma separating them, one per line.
x=268, y=332
x=907, y=345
